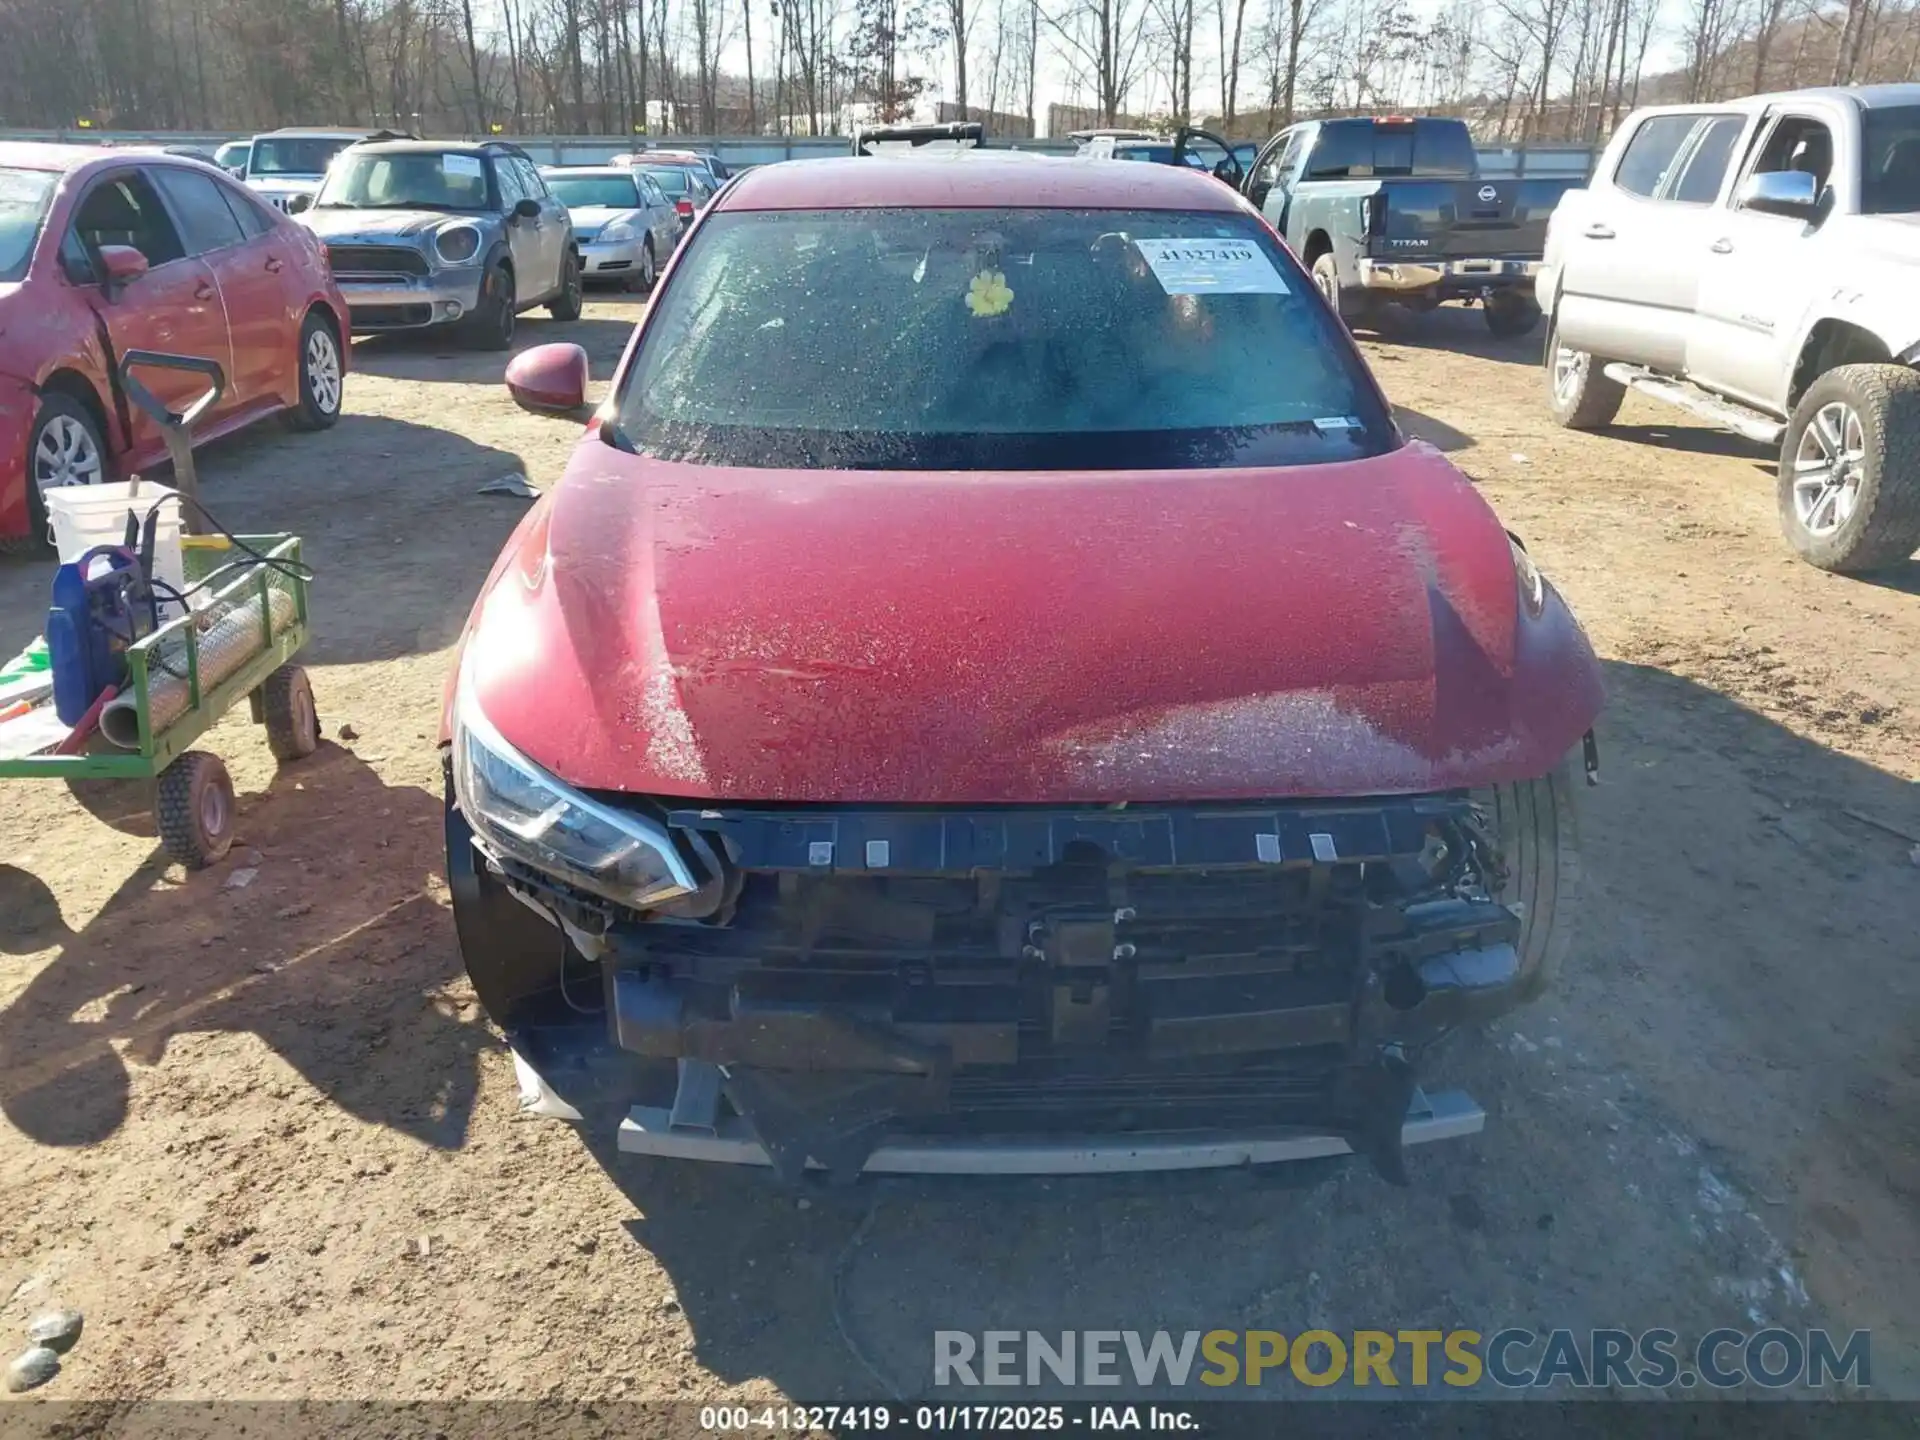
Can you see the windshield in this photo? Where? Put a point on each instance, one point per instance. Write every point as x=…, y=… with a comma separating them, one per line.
x=302, y=155
x=996, y=340
x=406, y=180
x=23, y=205
x=1890, y=161
x=674, y=182
x=609, y=192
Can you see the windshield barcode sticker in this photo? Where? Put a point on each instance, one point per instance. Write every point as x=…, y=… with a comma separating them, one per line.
x=1211, y=267
x=465, y=166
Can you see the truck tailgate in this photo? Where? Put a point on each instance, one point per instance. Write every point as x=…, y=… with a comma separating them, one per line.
x=1463, y=219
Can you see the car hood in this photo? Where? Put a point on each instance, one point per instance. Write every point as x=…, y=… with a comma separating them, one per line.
x=877, y=637
x=375, y=225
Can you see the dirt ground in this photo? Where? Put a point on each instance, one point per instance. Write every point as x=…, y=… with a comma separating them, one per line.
x=263, y=1137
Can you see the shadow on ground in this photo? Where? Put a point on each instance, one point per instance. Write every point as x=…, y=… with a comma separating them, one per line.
x=332, y=955
x=839, y=1292
x=429, y=356
x=1456, y=328
x=1697, y=440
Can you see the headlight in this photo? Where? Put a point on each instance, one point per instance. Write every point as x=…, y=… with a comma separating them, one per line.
x=525, y=814
x=618, y=232
x=1533, y=585
x=457, y=244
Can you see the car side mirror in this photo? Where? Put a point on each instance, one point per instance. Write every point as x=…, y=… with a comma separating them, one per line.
x=526, y=210
x=1793, y=193
x=299, y=204
x=549, y=379
x=120, y=266
x=238, y=172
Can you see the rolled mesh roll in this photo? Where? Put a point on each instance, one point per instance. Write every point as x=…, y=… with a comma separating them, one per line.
x=231, y=637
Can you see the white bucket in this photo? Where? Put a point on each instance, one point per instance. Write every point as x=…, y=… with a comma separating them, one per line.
x=87, y=516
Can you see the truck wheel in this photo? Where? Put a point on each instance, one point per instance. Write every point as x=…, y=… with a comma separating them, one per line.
x=1326, y=279
x=193, y=807
x=1849, y=487
x=1534, y=824
x=1579, y=393
x=1511, y=316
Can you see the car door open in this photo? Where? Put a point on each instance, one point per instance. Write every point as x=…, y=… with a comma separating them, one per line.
x=174, y=307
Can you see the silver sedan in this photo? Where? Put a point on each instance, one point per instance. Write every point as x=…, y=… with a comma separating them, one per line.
x=625, y=226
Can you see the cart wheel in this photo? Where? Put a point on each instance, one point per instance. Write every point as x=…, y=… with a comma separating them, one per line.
x=286, y=702
x=194, y=807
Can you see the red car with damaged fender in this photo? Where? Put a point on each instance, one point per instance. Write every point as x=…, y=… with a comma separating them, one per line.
x=995, y=691
x=106, y=251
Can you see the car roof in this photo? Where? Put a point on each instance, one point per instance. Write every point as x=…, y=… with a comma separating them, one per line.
x=294, y=133
x=435, y=147
x=589, y=172
x=1870, y=97
x=38, y=155
x=973, y=177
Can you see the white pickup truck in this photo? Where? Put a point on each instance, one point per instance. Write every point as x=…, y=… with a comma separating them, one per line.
x=1758, y=263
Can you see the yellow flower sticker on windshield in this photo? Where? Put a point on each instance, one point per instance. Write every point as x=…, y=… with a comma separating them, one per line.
x=988, y=294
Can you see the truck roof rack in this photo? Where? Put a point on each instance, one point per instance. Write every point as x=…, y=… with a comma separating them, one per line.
x=968, y=134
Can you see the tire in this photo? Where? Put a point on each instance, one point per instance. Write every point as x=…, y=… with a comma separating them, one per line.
x=1581, y=398
x=194, y=809
x=286, y=704
x=1865, y=516
x=1326, y=279
x=566, y=305
x=642, y=282
x=74, y=455
x=1535, y=825
x=491, y=327
x=1510, y=317
x=322, y=377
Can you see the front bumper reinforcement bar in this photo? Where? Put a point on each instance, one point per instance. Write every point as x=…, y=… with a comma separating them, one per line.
x=1441, y=1115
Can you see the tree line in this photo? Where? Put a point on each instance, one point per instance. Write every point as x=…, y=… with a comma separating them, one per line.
x=1527, y=71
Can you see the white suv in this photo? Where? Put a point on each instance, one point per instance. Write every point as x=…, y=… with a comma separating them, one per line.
x=1758, y=263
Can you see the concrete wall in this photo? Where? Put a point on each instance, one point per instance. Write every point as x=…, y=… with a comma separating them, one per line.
x=1496, y=161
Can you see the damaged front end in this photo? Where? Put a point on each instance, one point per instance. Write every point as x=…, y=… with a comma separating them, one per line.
x=1005, y=989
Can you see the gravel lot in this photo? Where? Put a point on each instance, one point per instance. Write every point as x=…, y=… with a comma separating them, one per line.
x=264, y=1139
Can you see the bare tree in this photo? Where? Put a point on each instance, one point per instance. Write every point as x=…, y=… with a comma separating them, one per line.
x=1101, y=40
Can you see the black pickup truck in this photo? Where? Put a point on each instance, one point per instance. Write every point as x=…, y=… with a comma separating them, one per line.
x=1393, y=210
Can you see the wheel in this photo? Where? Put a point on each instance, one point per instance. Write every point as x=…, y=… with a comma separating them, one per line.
x=193, y=807
x=63, y=448
x=1511, y=316
x=648, y=272
x=1849, y=488
x=286, y=705
x=566, y=305
x=1579, y=393
x=1534, y=824
x=491, y=326
x=1326, y=279
x=321, y=375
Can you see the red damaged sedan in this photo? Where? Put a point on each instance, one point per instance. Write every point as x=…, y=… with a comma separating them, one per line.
x=106, y=251
x=995, y=691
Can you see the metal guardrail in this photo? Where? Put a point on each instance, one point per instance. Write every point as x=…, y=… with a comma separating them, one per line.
x=1496, y=161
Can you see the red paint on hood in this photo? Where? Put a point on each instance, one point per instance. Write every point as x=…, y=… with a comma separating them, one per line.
x=935, y=638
